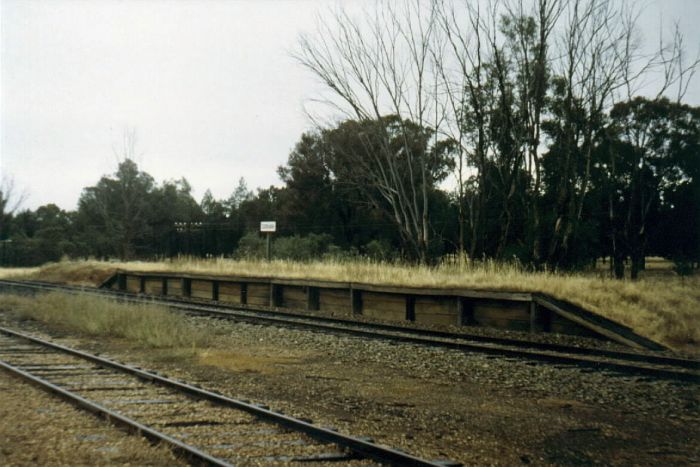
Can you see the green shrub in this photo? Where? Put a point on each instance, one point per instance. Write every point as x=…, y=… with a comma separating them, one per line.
x=251, y=246
x=683, y=266
x=380, y=250
x=297, y=248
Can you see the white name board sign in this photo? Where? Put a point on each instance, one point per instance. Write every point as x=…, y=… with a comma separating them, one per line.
x=268, y=226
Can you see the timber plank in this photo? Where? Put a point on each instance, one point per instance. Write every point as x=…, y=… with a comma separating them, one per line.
x=435, y=305
x=334, y=300
x=133, y=284
x=175, y=287
x=154, y=286
x=258, y=294
x=610, y=329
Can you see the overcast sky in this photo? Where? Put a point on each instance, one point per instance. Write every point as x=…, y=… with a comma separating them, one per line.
x=209, y=86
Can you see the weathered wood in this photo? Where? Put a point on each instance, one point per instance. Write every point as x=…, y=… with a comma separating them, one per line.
x=539, y=318
x=451, y=291
x=244, y=293
x=276, y=297
x=448, y=320
x=258, y=294
x=309, y=283
x=121, y=282
x=383, y=306
x=410, y=308
x=175, y=287
x=465, y=311
x=501, y=309
x=230, y=292
x=153, y=286
x=110, y=283
x=572, y=329
x=295, y=297
x=512, y=310
x=356, y=301
x=334, y=301
x=471, y=293
x=312, y=299
x=198, y=284
x=437, y=310
x=201, y=289
x=133, y=284
x=597, y=323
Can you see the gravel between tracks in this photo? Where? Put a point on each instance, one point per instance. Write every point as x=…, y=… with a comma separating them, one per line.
x=436, y=403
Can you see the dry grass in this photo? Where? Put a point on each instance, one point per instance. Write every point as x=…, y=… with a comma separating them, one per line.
x=245, y=362
x=17, y=273
x=662, y=307
x=148, y=325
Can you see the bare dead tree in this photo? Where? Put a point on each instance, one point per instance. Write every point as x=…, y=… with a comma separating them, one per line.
x=10, y=202
x=595, y=49
x=377, y=66
x=530, y=30
x=459, y=60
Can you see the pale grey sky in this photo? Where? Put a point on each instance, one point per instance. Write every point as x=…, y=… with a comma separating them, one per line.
x=209, y=86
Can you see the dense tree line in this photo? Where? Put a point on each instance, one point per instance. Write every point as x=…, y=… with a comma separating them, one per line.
x=506, y=132
x=644, y=199
x=534, y=103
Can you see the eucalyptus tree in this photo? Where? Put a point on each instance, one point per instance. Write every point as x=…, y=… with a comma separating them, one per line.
x=115, y=210
x=658, y=146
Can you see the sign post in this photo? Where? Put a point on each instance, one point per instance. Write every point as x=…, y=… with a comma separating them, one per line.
x=268, y=227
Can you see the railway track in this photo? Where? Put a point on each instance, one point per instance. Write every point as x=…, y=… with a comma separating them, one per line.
x=619, y=362
x=204, y=426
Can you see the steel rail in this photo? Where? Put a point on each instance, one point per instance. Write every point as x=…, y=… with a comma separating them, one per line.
x=191, y=452
x=622, y=362
x=362, y=447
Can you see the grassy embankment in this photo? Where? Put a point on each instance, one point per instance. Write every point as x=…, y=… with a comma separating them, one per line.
x=148, y=326
x=660, y=306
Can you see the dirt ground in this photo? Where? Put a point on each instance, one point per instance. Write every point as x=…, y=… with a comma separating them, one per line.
x=436, y=404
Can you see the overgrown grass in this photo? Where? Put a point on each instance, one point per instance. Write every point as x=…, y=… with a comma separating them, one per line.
x=148, y=325
x=663, y=307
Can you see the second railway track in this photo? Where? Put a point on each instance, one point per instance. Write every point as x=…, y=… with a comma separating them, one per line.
x=621, y=362
x=204, y=426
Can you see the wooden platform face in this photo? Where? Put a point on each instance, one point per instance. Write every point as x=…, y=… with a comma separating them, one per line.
x=259, y=294
x=175, y=287
x=502, y=314
x=201, y=289
x=390, y=307
x=562, y=325
x=133, y=284
x=335, y=301
x=528, y=312
x=153, y=286
x=437, y=310
x=230, y=292
x=294, y=297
